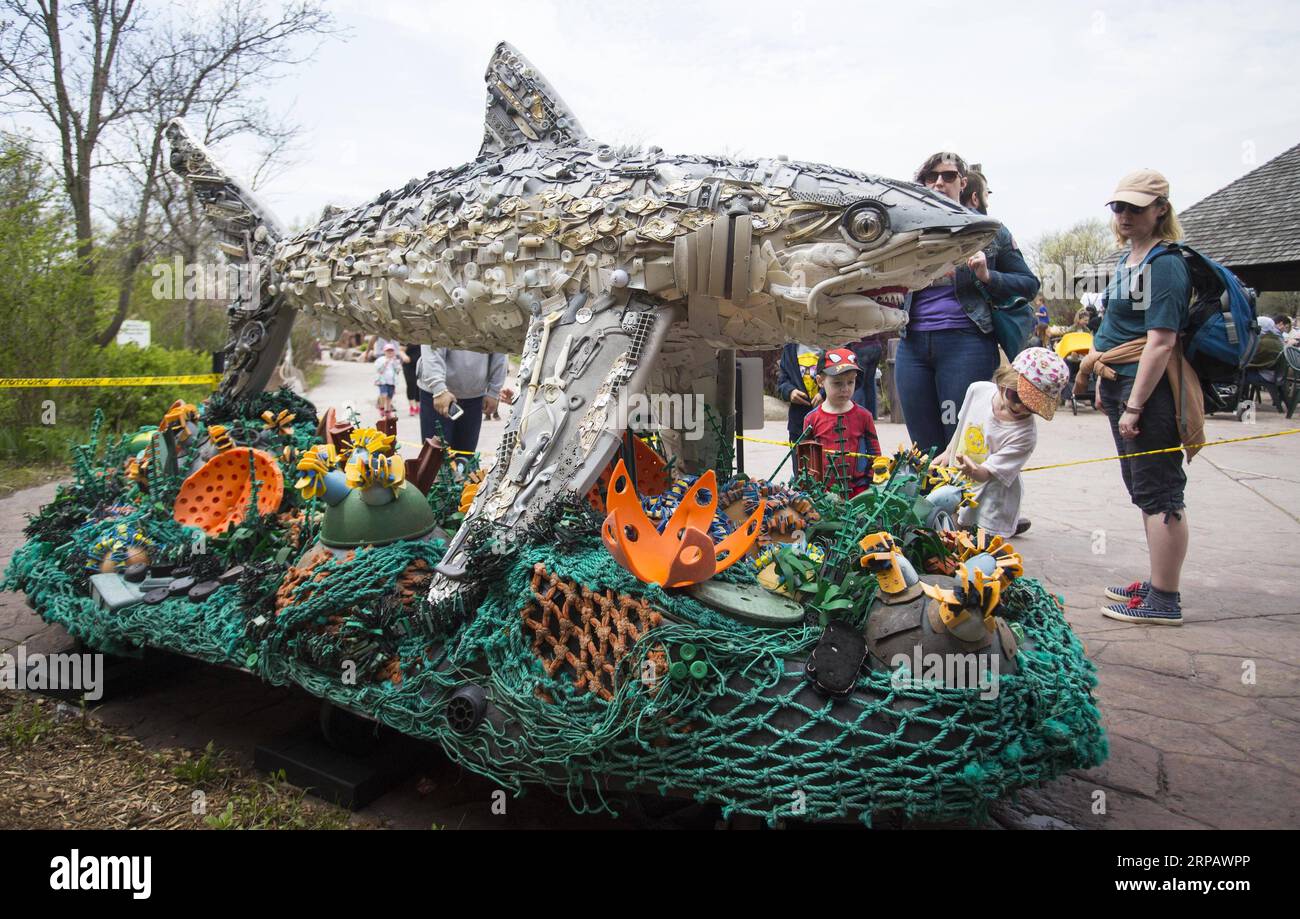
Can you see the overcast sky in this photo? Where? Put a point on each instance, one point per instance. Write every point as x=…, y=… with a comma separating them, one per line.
x=1056, y=100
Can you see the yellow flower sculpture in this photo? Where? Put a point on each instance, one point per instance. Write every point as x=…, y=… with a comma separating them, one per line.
x=1009, y=563
x=372, y=441
x=220, y=437
x=380, y=470
x=281, y=423
x=944, y=475
x=178, y=417
x=312, y=483
x=314, y=464
x=135, y=471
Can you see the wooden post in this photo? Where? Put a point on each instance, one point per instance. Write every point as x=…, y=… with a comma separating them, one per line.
x=891, y=390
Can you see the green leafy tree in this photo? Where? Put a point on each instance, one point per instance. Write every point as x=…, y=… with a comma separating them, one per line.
x=43, y=290
x=48, y=332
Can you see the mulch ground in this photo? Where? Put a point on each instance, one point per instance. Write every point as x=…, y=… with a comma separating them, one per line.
x=60, y=769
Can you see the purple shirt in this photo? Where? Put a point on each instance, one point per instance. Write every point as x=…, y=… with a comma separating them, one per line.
x=937, y=307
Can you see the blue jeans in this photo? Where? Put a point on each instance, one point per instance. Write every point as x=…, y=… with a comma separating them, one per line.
x=461, y=434
x=932, y=372
x=868, y=355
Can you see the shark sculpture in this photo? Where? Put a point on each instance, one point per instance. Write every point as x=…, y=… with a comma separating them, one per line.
x=613, y=271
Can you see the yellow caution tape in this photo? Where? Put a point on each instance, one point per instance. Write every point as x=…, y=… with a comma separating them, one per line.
x=1178, y=449
x=34, y=382
x=786, y=443
x=407, y=443
x=1100, y=459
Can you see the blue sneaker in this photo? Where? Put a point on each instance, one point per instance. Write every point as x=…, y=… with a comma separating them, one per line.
x=1136, y=610
x=1124, y=594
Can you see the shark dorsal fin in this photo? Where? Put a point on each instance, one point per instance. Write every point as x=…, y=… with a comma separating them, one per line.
x=522, y=107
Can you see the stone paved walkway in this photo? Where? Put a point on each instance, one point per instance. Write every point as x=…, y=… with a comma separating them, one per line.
x=1193, y=743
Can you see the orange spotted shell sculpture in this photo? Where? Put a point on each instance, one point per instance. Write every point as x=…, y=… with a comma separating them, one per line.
x=683, y=553
x=215, y=496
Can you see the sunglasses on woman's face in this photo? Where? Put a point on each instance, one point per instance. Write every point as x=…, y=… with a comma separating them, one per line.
x=933, y=176
x=1121, y=207
x=1013, y=401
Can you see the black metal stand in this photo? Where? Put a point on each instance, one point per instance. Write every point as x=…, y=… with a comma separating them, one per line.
x=345, y=759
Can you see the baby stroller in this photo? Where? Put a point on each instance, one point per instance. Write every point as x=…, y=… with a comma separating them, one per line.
x=1290, y=383
x=1273, y=368
x=1071, y=348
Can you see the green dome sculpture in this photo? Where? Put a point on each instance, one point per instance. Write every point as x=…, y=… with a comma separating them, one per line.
x=352, y=522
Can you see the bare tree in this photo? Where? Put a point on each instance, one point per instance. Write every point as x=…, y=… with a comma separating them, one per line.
x=1063, y=256
x=106, y=76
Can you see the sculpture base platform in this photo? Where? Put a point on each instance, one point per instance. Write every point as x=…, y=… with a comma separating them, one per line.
x=344, y=774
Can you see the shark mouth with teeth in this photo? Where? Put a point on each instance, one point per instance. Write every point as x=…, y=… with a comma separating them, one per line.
x=887, y=296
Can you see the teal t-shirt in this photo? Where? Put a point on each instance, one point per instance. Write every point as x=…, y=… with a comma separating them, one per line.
x=1154, y=295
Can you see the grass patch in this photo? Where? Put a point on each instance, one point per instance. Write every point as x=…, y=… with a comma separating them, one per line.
x=313, y=375
x=273, y=804
x=14, y=478
x=24, y=724
x=200, y=771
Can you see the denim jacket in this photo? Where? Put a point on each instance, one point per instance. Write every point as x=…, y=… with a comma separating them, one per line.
x=1009, y=277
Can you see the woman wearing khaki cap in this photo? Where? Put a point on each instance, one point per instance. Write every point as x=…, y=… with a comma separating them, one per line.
x=1146, y=307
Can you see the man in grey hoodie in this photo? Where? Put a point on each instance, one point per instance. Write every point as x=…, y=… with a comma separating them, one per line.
x=469, y=379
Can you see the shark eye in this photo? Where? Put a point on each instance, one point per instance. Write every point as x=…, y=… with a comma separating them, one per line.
x=866, y=223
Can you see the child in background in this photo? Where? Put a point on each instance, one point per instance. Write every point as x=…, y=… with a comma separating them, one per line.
x=796, y=381
x=996, y=435
x=387, y=366
x=842, y=426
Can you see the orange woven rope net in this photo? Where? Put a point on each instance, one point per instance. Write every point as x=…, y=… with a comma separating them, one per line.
x=586, y=634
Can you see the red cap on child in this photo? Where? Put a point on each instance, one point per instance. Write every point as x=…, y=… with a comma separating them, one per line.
x=840, y=360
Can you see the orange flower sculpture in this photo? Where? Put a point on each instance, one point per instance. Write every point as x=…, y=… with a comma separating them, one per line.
x=683, y=553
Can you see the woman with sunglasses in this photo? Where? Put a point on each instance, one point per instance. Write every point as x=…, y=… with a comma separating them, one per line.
x=1147, y=300
x=948, y=342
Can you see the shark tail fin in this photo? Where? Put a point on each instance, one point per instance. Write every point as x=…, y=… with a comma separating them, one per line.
x=522, y=106
x=247, y=233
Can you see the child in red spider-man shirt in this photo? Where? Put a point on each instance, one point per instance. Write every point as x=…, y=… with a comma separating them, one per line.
x=842, y=426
